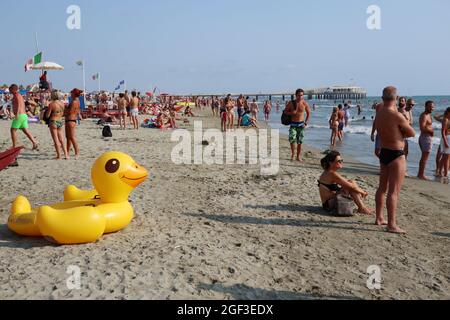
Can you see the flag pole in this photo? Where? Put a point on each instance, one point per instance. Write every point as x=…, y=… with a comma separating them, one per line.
x=84, y=78
x=37, y=44
x=99, y=87
x=37, y=48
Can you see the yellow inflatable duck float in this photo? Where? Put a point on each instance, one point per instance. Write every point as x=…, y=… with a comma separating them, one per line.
x=84, y=216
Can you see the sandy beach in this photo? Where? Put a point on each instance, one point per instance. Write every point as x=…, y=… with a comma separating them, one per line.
x=221, y=232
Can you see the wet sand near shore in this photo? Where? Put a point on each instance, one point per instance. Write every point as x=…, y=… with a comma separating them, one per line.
x=221, y=232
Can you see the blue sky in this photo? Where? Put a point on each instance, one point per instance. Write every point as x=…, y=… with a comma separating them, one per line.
x=195, y=46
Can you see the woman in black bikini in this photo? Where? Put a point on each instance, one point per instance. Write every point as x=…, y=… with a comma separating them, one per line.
x=71, y=115
x=331, y=184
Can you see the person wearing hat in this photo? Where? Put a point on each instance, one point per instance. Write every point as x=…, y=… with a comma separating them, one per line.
x=71, y=116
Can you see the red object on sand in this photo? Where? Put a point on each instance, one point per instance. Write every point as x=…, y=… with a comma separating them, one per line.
x=179, y=108
x=8, y=157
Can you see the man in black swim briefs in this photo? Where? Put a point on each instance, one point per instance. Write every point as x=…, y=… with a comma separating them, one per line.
x=393, y=128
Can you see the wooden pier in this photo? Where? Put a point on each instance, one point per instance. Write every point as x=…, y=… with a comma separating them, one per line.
x=335, y=93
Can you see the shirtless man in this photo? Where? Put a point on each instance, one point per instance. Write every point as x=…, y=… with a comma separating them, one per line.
x=426, y=137
x=393, y=128
x=20, y=118
x=122, y=105
x=134, y=110
x=240, y=109
x=128, y=108
x=410, y=104
x=402, y=109
x=297, y=109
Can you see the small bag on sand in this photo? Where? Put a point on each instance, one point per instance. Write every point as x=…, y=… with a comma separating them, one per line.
x=344, y=206
x=107, y=133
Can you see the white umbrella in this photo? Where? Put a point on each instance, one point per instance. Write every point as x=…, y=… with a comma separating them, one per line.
x=47, y=66
x=34, y=88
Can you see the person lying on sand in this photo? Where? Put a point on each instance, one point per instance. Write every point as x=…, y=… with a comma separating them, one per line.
x=331, y=184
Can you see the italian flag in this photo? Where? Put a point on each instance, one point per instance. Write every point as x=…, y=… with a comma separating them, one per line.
x=37, y=59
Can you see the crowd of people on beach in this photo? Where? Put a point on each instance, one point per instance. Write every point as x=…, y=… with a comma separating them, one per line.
x=61, y=111
x=392, y=129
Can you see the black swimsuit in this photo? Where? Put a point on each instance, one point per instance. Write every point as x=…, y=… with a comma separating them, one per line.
x=330, y=205
x=388, y=156
x=332, y=187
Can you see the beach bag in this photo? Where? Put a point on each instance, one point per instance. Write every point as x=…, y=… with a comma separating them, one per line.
x=286, y=119
x=107, y=133
x=44, y=118
x=345, y=207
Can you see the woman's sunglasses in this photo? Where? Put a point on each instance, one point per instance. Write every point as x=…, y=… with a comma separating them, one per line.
x=340, y=161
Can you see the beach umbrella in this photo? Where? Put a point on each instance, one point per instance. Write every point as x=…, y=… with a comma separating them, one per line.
x=47, y=66
x=35, y=88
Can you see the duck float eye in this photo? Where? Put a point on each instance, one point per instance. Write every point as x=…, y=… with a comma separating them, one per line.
x=112, y=166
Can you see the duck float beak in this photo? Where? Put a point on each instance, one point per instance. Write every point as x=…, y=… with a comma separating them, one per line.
x=134, y=176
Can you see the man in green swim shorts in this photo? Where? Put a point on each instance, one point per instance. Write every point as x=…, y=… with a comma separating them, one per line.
x=20, y=118
x=300, y=112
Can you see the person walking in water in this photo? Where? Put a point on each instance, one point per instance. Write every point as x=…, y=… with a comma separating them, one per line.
x=402, y=109
x=392, y=128
x=341, y=115
x=334, y=125
x=20, y=118
x=297, y=109
x=267, y=110
x=445, y=145
x=426, y=137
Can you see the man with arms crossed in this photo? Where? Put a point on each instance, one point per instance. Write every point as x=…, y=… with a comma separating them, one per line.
x=297, y=109
x=393, y=128
x=20, y=118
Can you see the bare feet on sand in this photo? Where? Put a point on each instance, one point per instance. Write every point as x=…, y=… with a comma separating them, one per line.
x=423, y=178
x=365, y=211
x=396, y=230
x=381, y=222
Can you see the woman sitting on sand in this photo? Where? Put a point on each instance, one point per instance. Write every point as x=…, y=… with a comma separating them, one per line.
x=55, y=113
x=188, y=112
x=331, y=184
x=248, y=121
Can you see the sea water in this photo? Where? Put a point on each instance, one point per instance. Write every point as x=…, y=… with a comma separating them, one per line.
x=357, y=143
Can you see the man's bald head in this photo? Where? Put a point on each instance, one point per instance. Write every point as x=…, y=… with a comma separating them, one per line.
x=390, y=94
